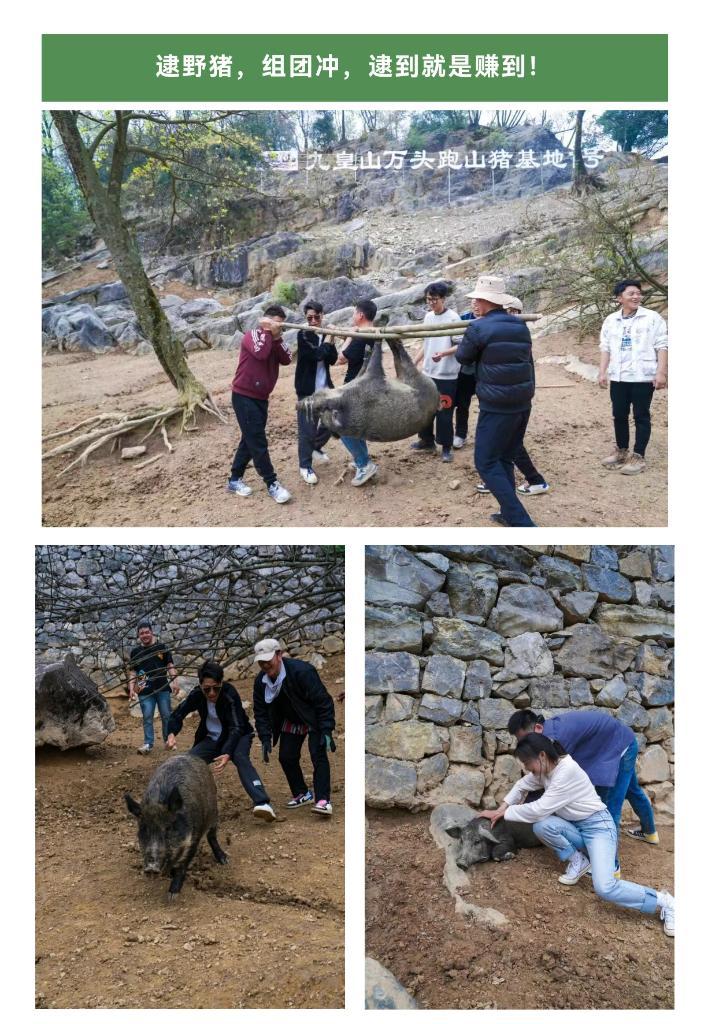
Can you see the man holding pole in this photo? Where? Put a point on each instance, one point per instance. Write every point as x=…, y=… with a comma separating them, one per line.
x=354, y=355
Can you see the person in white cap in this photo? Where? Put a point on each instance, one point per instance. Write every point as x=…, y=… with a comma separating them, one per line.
x=290, y=702
x=499, y=344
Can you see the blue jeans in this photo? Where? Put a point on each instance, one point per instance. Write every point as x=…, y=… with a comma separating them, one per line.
x=356, y=447
x=597, y=837
x=627, y=787
x=148, y=702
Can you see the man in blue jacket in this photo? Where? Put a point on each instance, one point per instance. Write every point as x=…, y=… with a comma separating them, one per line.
x=315, y=355
x=606, y=750
x=499, y=345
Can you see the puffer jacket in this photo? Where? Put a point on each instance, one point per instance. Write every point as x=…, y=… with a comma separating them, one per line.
x=499, y=345
x=307, y=694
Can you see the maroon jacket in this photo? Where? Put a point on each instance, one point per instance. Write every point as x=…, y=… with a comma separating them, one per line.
x=259, y=363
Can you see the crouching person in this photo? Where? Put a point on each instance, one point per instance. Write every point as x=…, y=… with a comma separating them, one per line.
x=290, y=703
x=224, y=733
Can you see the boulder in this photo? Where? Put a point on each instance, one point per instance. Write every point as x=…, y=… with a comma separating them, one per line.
x=392, y=673
x=461, y=785
x=395, y=576
x=111, y=293
x=523, y=608
x=561, y=573
x=444, y=676
x=478, y=680
x=431, y=772
x=636, y=622
x=443, y=710
x=373, y=708
x=653, y=765
x=464, y=640
x=587, y=651
x=604, y=556
x=662, y=560
x=579, y=692
x=506, y=771
x=655, y=691
x=661, y=725
x=399, y=707
x=495, y=713
x=465, y=744
x=636, y=565
x=609, y=585
x=339, y=292
x=472, y=589
x=388, y=782
x=394, y=629
x=577, y=606
x=613, y=693
x=552, y=692
x=69, y=711
x=632, y=714
x=439, y=605
x=527, y=655
x=653, y=659
x=406, y=741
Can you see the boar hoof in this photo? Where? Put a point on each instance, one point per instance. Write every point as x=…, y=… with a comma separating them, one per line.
x=508, y=856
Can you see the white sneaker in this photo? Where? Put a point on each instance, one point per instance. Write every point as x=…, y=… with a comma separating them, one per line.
x=145, y=749
x=578, y=865
x=365, y=473
x=264, y=811
x=322, y=807
x=318, y=456
x=458, y=442
x=533, y=488
x=308, y=476
x=278, y=492
x=239, y=487
x=665, y=903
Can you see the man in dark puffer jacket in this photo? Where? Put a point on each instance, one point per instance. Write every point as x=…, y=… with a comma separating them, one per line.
x=500, y=346
x=290, y=702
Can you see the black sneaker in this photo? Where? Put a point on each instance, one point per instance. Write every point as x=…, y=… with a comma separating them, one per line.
x=447, y=454
x=498, y=518
x=300, y=800
x=423, y=446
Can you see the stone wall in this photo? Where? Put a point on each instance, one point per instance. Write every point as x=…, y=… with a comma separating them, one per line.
x=459, y=637
x=202, y=601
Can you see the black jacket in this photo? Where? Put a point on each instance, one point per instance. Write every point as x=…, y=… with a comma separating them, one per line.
x=310, y=351
x=229, y=710
x=307, y=694
x=500, y=346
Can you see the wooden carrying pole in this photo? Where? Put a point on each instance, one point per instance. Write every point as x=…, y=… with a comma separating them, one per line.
x=399, y=332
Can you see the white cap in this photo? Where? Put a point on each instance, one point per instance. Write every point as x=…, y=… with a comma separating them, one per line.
x=265, y=649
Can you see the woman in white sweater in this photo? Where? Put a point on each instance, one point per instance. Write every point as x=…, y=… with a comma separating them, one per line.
x=571, y=818
x=443, y=371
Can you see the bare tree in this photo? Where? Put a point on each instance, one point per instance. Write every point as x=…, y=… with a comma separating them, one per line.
x=583, y=180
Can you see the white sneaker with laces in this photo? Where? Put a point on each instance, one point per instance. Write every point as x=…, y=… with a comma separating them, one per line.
x=264, y=811
x=365, y=473
x=239, y=487
x=322, y=807
x=145, y=749
x=278, y=492
x=665, y=903
x=578, y=865
x=308, y=475
x=318, y=456
x=458, y=442
x=527, y=488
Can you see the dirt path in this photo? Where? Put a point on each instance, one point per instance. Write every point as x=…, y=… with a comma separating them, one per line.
x=564, y=949
x=570, y=430
x=266, y=930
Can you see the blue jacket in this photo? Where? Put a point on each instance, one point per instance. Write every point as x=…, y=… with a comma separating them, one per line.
x=500, y=345
x=593, y=739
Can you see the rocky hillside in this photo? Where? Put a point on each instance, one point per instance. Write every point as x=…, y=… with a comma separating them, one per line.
x=340, y=237
x=460, y=637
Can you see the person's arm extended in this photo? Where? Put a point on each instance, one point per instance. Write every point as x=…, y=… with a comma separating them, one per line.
x=558, y=794
x=526, y=784
x=343, y=357
x=174, y=725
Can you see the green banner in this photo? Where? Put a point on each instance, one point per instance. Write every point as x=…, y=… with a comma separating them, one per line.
x=354, y=69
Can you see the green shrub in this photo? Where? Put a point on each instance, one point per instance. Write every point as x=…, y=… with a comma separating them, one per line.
x=286, y=292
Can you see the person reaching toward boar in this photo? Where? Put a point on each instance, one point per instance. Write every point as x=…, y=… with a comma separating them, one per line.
x=573, y=821
x=224, y=733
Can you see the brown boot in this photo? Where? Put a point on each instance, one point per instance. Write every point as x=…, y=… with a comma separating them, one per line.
x=617, y=459
x=634, y=464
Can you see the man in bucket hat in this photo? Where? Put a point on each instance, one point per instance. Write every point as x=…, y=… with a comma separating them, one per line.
x=290, y=703
x=499, y=344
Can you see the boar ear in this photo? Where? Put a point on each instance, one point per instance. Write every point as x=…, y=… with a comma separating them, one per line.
x=133, y=805
x=486, y=833
x=174, y=800
x=454, y=830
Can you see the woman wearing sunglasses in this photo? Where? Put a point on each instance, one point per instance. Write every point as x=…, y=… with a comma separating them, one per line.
x=224, y=733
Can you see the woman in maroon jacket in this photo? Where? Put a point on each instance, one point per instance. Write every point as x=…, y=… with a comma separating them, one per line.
x=262, y=354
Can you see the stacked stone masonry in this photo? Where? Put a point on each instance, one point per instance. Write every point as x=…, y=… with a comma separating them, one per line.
x=459, y=637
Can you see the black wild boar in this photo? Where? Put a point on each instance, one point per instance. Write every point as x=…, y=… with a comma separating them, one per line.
x=479, y=842
x=374, y=407
x=178, y=808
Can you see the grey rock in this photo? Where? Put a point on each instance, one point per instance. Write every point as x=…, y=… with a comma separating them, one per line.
x=527, y=655
x=465, y=745
x=633, y=715
x=472, y=589
x=561, y=573
x=466, y=641
x=435, y=559
x=511, y=689
x=604, y=556
x=579, y=692
x=389, y=783
x=392, y=673
x=399, y=707
x=636, y=565
x=431, y=772
x=462, y=783
x=588, y=652
x=383, y=990
x=406, y=741
x=111, y=293
x=653, y=765
x=525, y=609
x=439, y=605
x=653, y=659
x=444, y=675
x=394, y=629
x=395, y=576
x=635, y=622
x=443, y=710
x=340, y=292
x=373, y=708
x=478, y=680
x=495, y=713
x=610, y=585
x=69, y=710
x=654, y=690
x=662, y=559
x=661, y=725
x=644, y=594
x=552, y=692
x=613, y=693
x=577, y=606
x=575, y=552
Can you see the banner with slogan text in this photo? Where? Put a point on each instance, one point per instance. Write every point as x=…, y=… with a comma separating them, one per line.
x=354, y=69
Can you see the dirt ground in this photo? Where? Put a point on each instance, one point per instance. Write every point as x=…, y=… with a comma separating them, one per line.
x=265, y=930
x=564, y=949
x=570, y=430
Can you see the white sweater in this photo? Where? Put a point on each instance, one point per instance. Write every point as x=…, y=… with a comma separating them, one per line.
x=448, y=367
x=569, y=793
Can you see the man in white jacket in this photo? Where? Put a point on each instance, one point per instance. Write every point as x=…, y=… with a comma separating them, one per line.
x=634, y=360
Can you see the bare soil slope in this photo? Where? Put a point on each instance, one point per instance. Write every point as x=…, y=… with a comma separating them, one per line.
x=565, y=949
x=265, y=930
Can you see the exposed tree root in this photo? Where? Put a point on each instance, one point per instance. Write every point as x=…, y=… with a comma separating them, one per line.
x=108, y=427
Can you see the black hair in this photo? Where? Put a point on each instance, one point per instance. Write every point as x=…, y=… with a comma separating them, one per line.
x=439, y=289
x=210, y=670
x=144, y=624
x=274, y=311
x=621, y=285
x=317, y=307
x=525, y=719
x=367, y=308
x=535, y=743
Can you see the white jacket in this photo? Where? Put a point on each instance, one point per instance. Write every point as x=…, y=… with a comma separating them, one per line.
x=569, y=793
x=649, y=335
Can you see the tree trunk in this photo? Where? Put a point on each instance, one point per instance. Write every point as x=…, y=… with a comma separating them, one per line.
x=583, y=181
x=106, y=214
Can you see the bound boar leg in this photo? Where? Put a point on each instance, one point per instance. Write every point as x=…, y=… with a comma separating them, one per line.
x=404, y=366
x=219, y=856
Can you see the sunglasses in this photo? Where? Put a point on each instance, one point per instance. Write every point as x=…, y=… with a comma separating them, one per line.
x=211, y=689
